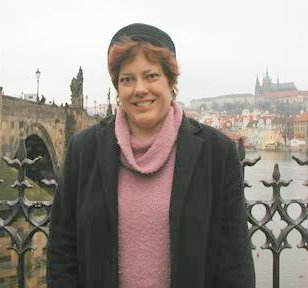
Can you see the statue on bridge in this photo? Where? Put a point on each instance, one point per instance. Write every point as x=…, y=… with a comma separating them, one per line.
x=77, y=89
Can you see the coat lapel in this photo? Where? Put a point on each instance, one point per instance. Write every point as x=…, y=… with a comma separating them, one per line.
x=189, y=147
x=108, y=156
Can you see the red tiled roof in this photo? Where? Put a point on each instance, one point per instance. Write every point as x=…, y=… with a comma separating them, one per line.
x=302, y=117
x=290, y=93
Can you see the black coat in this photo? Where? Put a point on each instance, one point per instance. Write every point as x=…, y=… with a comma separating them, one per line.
x=208, y=229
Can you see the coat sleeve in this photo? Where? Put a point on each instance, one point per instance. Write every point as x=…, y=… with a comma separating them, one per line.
x=236, y=268
x=62, y=269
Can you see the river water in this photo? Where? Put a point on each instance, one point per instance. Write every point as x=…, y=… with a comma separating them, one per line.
x=294, y=261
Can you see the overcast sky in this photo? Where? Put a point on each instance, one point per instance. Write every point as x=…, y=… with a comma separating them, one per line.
x=221, y=44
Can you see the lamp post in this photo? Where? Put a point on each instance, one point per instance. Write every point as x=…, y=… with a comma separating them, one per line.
x=37, y=74
x=109, y=109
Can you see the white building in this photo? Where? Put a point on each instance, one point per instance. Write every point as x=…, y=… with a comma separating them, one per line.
x=30, y=97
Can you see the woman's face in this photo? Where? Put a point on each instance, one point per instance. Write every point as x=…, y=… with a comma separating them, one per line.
x=144, y=94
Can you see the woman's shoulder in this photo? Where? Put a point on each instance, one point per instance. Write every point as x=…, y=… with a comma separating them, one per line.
x=221, y=145
x=87, y=135
x=207, y=132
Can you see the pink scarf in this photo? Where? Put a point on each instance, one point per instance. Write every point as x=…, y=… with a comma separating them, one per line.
x=144, y=201
x=148, y=156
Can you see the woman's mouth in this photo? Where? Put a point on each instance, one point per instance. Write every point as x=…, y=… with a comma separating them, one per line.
x=144, y=103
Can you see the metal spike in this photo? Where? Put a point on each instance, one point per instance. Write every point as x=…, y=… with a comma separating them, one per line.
x=276, y=173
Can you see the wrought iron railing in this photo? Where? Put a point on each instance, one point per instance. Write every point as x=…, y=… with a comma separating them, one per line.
x=21, y=242
x=277, y=243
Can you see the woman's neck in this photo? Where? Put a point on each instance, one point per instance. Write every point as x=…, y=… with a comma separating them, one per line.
x=145, y=133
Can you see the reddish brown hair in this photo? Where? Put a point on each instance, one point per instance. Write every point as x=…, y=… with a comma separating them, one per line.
x=126, y=50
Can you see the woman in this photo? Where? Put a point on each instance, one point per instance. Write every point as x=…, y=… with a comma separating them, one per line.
x=149, y=198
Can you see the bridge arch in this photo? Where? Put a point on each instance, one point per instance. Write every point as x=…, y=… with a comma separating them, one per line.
x=38, y=140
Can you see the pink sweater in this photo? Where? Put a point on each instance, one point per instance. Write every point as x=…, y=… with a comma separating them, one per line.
x=144, y=190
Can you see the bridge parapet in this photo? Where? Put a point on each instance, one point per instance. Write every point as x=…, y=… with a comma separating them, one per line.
x=53, y=124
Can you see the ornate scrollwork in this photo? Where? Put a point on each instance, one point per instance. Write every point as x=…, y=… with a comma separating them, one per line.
x=280, y=206
x=302, y=163
x=21, y=243
x=248, y=162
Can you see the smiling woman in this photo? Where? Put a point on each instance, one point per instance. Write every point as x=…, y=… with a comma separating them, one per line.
x=145, y=76
x=149, y=198
x=144, y=94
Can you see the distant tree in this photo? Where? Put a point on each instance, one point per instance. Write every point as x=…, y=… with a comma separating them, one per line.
x=234, y=108
x=263, y=105
x=215, y=106
x=284, y=108
x=286, y=129
x=202, y=108
x=228, y=107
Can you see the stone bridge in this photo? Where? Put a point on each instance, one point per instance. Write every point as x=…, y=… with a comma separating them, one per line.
x=45, y=128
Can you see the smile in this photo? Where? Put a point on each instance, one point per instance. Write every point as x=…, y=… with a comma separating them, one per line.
x=144, y=103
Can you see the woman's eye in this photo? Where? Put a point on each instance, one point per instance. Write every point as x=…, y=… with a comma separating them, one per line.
x=152, y=76
x=125, y=80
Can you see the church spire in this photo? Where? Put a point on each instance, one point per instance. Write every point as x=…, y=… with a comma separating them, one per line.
x=257, y=87
x=267, y=81
x=267, y=78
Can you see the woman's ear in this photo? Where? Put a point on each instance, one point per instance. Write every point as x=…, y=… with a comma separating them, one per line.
x=173, y=93
x=118, y=100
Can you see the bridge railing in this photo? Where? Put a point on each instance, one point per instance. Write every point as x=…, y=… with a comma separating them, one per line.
x=277, y=243
x=21, y=240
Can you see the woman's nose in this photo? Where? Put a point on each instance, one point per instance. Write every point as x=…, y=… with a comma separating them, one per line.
x=140, y=88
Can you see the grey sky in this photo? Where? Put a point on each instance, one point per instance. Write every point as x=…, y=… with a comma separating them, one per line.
x=221, y=44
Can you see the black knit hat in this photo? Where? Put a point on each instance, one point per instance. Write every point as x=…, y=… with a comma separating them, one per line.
x=143, y=32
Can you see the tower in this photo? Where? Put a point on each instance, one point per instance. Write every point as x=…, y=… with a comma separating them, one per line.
x=77, y=90
x=267, y=82
x=258, y=90
x=277, y=80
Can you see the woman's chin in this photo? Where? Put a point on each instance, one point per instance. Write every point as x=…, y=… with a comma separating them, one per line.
x=146, y=125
